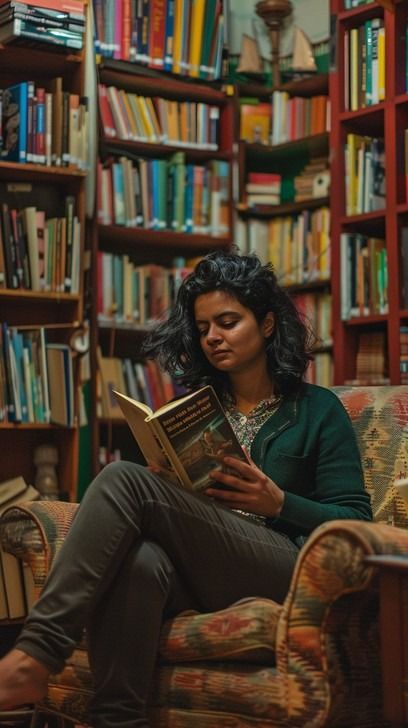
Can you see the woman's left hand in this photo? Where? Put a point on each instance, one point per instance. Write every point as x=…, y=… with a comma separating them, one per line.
x=252, y=490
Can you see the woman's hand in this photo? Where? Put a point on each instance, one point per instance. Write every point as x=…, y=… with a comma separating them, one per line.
x=252, y=490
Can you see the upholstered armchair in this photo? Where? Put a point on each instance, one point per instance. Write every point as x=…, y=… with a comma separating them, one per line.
x=313, y=661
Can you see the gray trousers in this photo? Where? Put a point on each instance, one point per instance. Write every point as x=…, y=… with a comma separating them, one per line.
x=139, y=551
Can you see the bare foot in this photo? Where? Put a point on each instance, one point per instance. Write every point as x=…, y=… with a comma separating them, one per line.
x=23, y=680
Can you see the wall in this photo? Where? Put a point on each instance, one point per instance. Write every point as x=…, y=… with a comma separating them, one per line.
x=310, y=15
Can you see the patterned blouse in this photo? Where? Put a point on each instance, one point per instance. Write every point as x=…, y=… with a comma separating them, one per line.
x=246, y=427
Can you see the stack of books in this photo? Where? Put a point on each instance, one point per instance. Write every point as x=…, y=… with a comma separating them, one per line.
x=371, y=363
x=17, y=591
x=59, y=22
x=263, y=188
x=313, y=181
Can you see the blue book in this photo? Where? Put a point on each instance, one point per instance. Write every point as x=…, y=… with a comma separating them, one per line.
x=189, y=198
x=169, y=36
x=17, y=344
x=184, y=62
x=14, y=122
x=118, y=287
x=118, y=194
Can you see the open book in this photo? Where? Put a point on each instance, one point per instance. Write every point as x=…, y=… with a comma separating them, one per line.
x=187, y=437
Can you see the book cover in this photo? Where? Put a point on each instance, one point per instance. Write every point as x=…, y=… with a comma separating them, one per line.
x=187, y=437
x=74, y=8
x=14, y=122
x=60, y=382
x=11, y=489
x=157, y=32
x=197, y=35
x=35, y=31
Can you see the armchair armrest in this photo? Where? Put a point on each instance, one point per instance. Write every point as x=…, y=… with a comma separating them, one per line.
x=327, y=636
x=34, y=532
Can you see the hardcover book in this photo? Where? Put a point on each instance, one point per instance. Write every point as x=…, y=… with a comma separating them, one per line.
x=14, y=122
x=188, y=437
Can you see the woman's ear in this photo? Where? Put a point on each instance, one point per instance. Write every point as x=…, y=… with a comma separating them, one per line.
x=268, y=324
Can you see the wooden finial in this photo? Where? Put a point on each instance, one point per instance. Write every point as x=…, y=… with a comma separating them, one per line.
x=273, y=13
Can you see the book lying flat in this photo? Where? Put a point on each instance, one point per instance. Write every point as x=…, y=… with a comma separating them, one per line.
x=187, y=437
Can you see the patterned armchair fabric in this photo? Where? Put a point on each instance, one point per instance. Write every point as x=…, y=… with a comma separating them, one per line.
x=313, y=661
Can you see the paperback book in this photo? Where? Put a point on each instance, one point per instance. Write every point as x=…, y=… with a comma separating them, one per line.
x=188, y=437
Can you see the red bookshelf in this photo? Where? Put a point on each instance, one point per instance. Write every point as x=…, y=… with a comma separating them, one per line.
x=387, y=119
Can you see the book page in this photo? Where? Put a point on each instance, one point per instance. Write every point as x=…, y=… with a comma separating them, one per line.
x=135, y=413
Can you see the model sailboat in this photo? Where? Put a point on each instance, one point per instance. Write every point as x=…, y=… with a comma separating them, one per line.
x=303, y=58
x=249, y=58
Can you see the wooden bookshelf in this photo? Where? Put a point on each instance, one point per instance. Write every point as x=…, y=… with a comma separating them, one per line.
x=387, y=119
x=144, y=245
x=60, y=313
x=287, y=158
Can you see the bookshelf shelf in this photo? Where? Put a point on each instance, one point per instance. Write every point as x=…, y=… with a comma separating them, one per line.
x=150, y=149
x=365, y=217
x=314, y=145
x=308, y=86
x=34, y=296
x=140, y=79
x=14, y=172
x=361, y=13
x=372, y=117
x=43, y=60
x=318, y=285
x=366, y=320
x=22, y=426
x=401, y=99
x=149, y=244
x=270, y=211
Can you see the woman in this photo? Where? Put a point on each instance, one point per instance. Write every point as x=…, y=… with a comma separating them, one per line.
x=141, y=550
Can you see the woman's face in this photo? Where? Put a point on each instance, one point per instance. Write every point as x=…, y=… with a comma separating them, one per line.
x=230, y=336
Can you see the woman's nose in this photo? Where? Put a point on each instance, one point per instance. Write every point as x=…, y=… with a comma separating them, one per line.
x=213, y=334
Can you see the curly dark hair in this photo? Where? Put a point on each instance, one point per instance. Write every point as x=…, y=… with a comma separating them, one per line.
x=175, y=343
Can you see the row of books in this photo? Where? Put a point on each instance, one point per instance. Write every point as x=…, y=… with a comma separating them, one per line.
x=316, y=310
x=126, y=115
x=135, y=294
x=365, y=174
x=180, y=36
x=39, y=253
x=145, y=382
x=286, y=119
x=297, y=246
x=404, y=354
x=41, y=125
x=364, y=276
x=163, y=194
x=17, y=590
x=364, y=65
x=59, y=23
x=36, y=378
x=296, y=117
